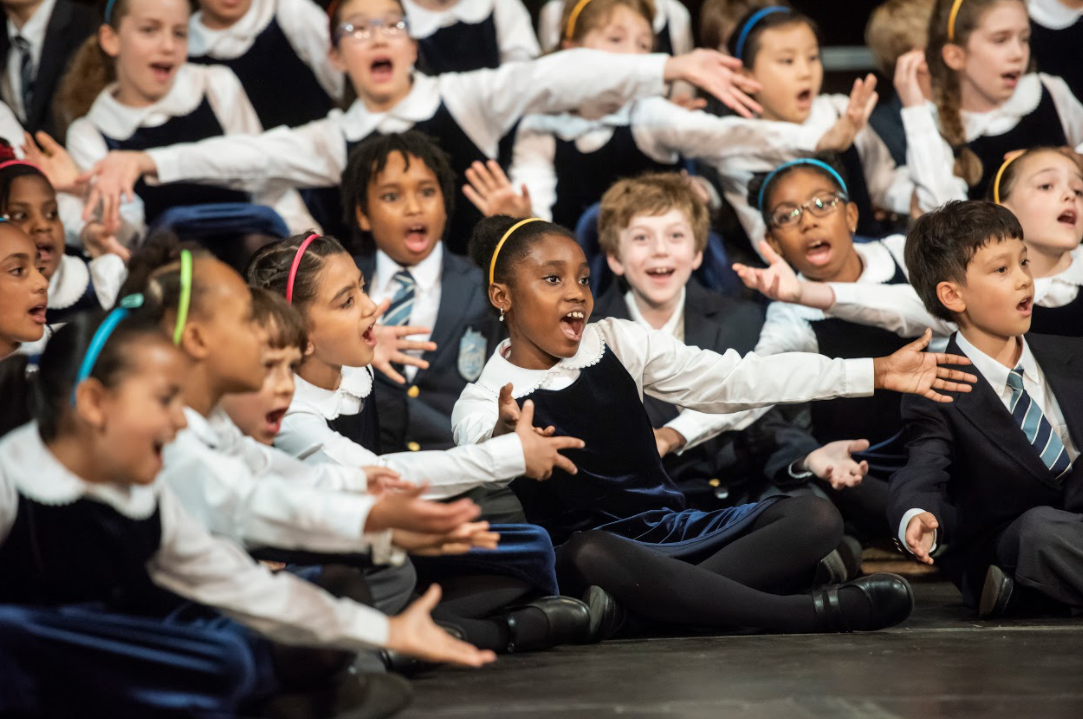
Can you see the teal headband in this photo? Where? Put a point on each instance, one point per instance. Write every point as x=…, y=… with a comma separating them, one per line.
x=739, y=48
x=101, y=336
x=109, y=11
x=800, y=161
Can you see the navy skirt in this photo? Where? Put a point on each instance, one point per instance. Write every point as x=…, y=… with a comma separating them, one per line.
x=525, y=552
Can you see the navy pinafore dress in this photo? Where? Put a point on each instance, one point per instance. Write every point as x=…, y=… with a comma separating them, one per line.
x=1056, y=52
x=1066, y=321
x=87, y=302
x=461, y=47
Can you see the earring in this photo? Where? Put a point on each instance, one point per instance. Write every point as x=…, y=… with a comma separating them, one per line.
x=501, y=314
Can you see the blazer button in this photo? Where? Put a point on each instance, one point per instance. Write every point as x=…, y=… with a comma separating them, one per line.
x=413, y=392
x=413, y=446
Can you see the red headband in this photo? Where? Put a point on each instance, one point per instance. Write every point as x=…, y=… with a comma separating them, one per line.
x=296, y=264
x=9, y=163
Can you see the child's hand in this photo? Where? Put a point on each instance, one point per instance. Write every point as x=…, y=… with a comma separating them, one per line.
x=415, y=633
x=920, y=535
x=863, y=99
x=384, y=479
x=914, y=371
x=59, y=167
x=542, y=453
x=467, y=536
x=114, y=178
x=835, y=464
x=668, y=440
x=911, y=73
x=719, y=75
x=491, y=191
x=98, y=242
x=509, y=415
x=778, y=282
x=392, y=345
x=688, y=101
x=405, y=510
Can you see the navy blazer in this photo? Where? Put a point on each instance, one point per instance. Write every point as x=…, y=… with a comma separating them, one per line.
x=417, y=415
x=971, y=465
x=734, y=464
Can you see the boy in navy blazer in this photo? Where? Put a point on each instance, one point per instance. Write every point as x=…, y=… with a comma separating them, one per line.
x=990, y=487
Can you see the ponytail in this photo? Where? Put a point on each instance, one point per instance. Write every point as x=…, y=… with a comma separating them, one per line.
x=90, y=72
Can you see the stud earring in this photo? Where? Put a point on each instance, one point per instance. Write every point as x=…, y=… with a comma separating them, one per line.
x=501, y=314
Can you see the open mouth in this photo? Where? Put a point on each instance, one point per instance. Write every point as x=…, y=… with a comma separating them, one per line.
x=417, y=237
x=818, y=253
x=161, y=70
x=660, y=274
x=1068, y=217
x=1011, y=78
x=369, y=336
x=1026, y=306
x=274, y=420
x=804, y=98
x=381, y=69
x=572, y=324
x=46, y=251
x=37, y=313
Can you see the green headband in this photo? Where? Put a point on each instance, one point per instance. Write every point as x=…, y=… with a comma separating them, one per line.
x=185, y=294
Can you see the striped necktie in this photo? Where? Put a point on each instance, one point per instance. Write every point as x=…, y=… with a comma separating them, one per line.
x=1028, y=415
x=402, y=304
x=26, y=72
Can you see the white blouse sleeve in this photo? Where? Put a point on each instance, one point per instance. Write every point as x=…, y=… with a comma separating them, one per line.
x=1068, y=108
x=514, y=31
x=108, y=273
x=86, y=146
x=532, y=165
x=929, y=160
x=697, y=427
x=219, y=574
x=549, y=30
x=785, y=330
x=896, y=308
x=304, y=24
x=474, y=416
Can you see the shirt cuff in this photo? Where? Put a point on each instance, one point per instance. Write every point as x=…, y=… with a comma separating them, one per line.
x=383, y=551
x=860, y=379
x=506, y=455
x=345, y=516
x=902, y=530
x=845, y=293
x=807, y=474
x=689, y=425
x=919, y=120
x=168, y=163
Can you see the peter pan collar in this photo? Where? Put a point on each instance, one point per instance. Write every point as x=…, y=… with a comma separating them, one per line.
x=1073, y=274
x=1023, y=101
x=120, y=122
x=68, y=283
x=348, y=399
x=879, y=265
x=234, y=40
x=424, y=22
x=40, y=476
x=204, y=427
x=499, y=371
x=569, y=127
x=419, y=105
x=1052, y=14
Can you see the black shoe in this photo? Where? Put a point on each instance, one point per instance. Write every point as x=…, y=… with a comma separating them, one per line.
x=996, y=594
x=568, y=619
x=409, y=666
x=351, y=696
x=889, y=598
x=606, y=616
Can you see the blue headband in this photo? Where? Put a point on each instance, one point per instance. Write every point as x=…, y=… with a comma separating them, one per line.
x=101, y=336
x=800, y=161
x=739, y=48
x=109, y=10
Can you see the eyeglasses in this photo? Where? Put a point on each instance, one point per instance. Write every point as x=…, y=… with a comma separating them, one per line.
x=363, y=29
x=819, y=206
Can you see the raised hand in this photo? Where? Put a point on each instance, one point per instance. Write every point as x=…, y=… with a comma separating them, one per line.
x=59, y=167
x=392, y=345
x=467, y=536
x=491, y=191
x=542, y=454
x=911, y=78
x=920, y=535
x=384, y=479
x=112, y=182
x=777, y=282
x=916, y=372
x=719, y=75
x=834, y=463
x=98, y=242
x=415, y=633
x=863, y=99
x=406, y=510
x=509, y=415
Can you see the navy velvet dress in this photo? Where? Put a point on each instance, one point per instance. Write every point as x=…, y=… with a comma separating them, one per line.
x=461, y=47
x=1066, y=321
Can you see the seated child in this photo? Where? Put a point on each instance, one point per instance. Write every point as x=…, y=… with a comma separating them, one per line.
x=464, y=35
x=661, y=560
x=23, y=291
x=992, y=481
x=653, y=230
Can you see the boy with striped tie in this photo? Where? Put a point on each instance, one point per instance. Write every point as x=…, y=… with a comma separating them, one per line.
x=989, y=488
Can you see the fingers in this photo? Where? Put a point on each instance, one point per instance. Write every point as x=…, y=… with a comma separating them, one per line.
x=427, y=601
x=945, y=358
x=526, y=415
x=768, y=253
x=46, y=142
x=566, y=464
x=729, y=61
x=858, y=445
x=382, y=307
x=946, y=373
x=476, y=199
x=422, y=345
x=929, y=522
x=559, y=443
x=525, y=192
x=389, y=371
x=921, y=342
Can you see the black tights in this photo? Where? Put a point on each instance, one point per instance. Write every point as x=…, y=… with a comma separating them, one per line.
x=476, y=605
x=741, y=585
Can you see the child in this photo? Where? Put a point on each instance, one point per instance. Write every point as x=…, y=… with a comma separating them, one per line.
x=718, y=19
x=270, y=45
x=653, y=230
x=468, y=114
x=464, y=35
x=986, y=103
x=992, y=480
x=1056, y=28
x=130, y=88
x=23, y=291
x=108, y=401
x=658, y=559
x=671, y=24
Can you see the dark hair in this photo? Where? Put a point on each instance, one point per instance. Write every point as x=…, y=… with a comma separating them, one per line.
x=753, y=44
x=15, y=170
x=284, y=325
x=830, y=159
x=369, y=159
x=270, y=266
x=45, y=395
x=1011, y=172
x=487, y=234
x=154, y=271
x=940, y=245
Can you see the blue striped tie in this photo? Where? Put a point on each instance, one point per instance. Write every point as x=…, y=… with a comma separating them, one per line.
x=1028, y=415
x=402, y=304
x=26, y=72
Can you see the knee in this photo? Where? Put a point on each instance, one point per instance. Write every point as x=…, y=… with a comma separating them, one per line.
x=1036, y=525
x=588, y=550
x=820, y=520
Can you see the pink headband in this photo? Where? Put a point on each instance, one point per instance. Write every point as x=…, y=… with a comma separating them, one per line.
x=296, y=264
x=9, y=163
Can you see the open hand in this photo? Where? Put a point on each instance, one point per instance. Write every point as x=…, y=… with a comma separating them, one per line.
x=467, y=536
x=392, y=345
x=510, y=413
x=863, y=99
x=406, y=510
x=98, y=242
x=114, y=179
x=491, y=191
x=542, y=453
x=914, y=371
x=415, y=633
x=834, y=463
x=59, y=167
x=912, y=78
x=920, y=535
x=384, y=479
x=719, y=75
x=777, y=281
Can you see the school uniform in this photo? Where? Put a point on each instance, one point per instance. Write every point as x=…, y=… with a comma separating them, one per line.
x=1055, y=34
x=973, y=467
x=672, y=26
x=204, y=101
x=1041, y=111
x=89, y=622
x=277, y=46
x=621, y=486
x=40, y=51
x=471, y=35
x=468, y=114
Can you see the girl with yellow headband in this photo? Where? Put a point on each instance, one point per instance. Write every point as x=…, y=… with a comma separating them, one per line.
x=620, y=523
x=670, y=20
x=987, y=101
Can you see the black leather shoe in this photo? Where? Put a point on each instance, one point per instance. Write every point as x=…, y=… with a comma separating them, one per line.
x=350, y=696
x=606, y=616
x=996, y=593
x=889, y=597
x=568, y=619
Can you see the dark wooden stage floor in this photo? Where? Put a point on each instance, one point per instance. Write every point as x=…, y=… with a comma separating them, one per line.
x=943, y=662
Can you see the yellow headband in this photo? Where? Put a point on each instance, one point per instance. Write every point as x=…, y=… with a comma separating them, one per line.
x=1000, y=173
x=573, y=17
x=951, y=19
x=500, y=245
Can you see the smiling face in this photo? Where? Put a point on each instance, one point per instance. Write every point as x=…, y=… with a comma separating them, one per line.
x=789, y=68
x=340, y=317
x=23, y=290
x=379, y=66
x=32, y=208
x=149, y=45
x=221, y=14
x=657, y=256
x=624, y=31
x=406, y=211
x=259, y=414
x=996, y=55
x=820, y=248
x=997, y=298
x=1047, y=198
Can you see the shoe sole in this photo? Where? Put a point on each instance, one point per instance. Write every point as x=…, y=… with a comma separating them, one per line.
x=994, y=598
x=595, y=598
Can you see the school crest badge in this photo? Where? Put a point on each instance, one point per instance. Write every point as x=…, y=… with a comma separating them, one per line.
x=471, y=355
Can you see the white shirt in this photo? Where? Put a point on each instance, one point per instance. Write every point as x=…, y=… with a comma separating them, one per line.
x=303, y=22
x=1035, y=385
x=108, y=117
x=668, y=370
x=33, y=31
x=929, y=157
x=190, y=562
x=306, y=435
x=486, y=104
x=427, y=276
x=551, y=32
x=514, y=29
x=1052, y=14
x=257, y=497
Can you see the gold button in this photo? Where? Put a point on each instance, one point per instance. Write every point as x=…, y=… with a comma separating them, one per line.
x=413, y=391
x=413, y=446
x=714, y=483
